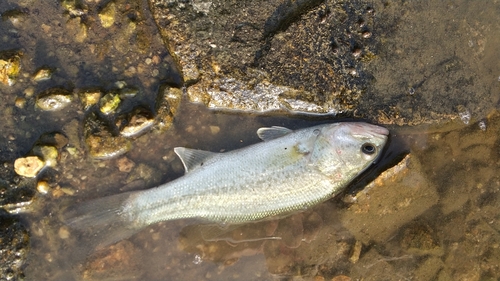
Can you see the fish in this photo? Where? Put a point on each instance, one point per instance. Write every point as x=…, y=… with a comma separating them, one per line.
x=289, y=171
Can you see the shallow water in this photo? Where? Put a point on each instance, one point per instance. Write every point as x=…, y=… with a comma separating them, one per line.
x=455, y=213
x=430, y=210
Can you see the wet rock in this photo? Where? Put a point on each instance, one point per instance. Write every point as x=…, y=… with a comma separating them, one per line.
x=109, y=103
x=42, y=74
x=10, y=65
x=331, y=57
x=28, y=166
x=14, y=247
x=136, y=122
x=115, y=260
x=101, y=142
x=395, y=198
x=54, y=99
x=167, y=104
x=244, y=59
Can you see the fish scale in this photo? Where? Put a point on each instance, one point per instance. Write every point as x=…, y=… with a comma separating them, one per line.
x=289, y=171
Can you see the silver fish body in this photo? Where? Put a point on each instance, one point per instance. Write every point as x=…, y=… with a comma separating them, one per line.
x=287, y=172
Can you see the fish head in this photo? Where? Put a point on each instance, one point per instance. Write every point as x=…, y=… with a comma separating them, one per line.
x=344, y=150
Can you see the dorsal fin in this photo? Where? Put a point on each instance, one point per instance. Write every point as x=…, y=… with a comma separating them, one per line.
x=272, y=133
x=192, y=158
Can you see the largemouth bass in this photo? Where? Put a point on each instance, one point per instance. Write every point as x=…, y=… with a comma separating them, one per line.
x=289, y=171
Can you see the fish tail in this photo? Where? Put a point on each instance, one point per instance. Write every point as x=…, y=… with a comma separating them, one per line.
x=105, y=219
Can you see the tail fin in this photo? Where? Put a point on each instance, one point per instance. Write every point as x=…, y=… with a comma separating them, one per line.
x=105, y=219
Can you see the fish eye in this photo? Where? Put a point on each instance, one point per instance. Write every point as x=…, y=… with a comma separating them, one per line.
x=368, y=148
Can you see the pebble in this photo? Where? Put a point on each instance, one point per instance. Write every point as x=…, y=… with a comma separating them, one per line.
x=20, y=102
x=356, y=251
x=42, y=74
x=464, y=114
x=68, y=191
x=28, y=166
x=54, y=99
x=214, y=130
x=43, y=187
x=29, y=92
x=63, y=232
x=125, y=165
x=90, y=98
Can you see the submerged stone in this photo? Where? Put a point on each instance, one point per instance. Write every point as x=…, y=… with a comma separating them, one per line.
x=44, y=73
x=403, y=193
x=136, y=122
x=90, y=97
x=420, y=239
x=100, y=140
x=43, y=187
x=10, y=65
x=54, y=99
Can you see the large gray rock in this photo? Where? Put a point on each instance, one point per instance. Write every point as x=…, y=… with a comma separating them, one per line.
x=394, y=62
